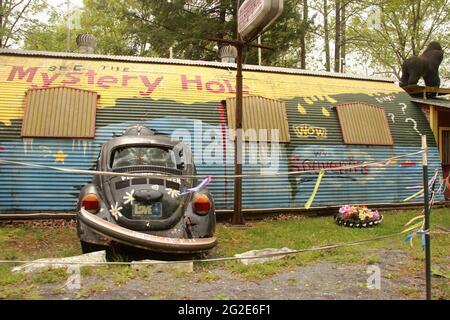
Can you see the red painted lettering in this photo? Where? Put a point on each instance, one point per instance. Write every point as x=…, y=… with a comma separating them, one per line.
x=151, y=86
x=230, y=88
x=105, y=81
x=91, y=76
x=185, y=82
x=21, y=73
x=211, y=84
x=72, y=78
x=46, y=81
x=294, y=163
x=125, y=79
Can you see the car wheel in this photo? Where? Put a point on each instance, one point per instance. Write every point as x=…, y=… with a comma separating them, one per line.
x=87, y=247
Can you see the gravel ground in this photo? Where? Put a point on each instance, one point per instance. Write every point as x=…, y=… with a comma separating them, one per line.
x=323, y=280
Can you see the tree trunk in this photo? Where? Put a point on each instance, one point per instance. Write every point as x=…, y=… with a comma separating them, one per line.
x=326, y=32
x=337, y=37
x=343, y=37
x=303, y=35
x=415, y=31
x=1, y=23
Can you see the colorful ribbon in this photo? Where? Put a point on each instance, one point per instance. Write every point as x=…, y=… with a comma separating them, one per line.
x=316, y=188
x=415, y=195
x=201, y=186
x=419, y=226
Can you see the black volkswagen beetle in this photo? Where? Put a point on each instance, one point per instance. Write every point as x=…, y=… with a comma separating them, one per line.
x=159, y=211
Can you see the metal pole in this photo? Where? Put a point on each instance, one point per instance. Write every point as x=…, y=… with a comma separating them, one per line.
x=237, y=218
x=427, y=217
x=259, y=52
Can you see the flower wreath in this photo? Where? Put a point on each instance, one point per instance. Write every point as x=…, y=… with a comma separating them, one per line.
x=357, y=217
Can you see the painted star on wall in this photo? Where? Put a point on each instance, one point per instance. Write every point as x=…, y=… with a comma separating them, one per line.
x=60, y=156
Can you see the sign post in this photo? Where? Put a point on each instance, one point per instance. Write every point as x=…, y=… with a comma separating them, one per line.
x=254, y=17
x=237, y=218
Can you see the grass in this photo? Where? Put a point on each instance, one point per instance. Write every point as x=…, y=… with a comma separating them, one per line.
x=205, y=277
x=28, y=243
x=306, y=233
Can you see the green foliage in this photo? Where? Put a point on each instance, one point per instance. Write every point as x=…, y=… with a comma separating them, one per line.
x=405, y=29
x=16, y=16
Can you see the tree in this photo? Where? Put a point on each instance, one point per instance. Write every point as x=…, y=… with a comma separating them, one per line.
x=49, y=36
x=326, y=35
x=303, y=32
x=13, y=15
x=337, y=36
x=182, y=25
x=404, y=29
x=108, y=21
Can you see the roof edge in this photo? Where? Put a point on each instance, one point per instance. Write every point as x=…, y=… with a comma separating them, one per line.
x=215, y=64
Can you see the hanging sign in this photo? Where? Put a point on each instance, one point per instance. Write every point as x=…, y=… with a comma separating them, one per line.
x=255, y=16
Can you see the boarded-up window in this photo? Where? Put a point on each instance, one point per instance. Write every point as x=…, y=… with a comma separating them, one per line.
x=445, y=145
x=59, y=112
x=363, y=123
x=262, y=119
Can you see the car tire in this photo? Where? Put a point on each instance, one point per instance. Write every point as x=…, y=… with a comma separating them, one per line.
x=87, y=247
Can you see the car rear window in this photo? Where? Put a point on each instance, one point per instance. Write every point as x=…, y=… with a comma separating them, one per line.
x=143, y=156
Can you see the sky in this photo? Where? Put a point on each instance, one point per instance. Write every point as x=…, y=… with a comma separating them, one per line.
x=63, y=3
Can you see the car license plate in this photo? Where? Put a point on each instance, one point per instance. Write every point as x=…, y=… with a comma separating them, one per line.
x=154, y=209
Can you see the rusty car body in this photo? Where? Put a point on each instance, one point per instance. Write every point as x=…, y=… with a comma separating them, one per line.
x=158, y=211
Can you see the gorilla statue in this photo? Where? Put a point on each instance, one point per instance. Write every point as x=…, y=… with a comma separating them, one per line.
x=426, y=65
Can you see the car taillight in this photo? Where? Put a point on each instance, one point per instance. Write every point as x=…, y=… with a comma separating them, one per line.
x=91, y=202
x=201, y=204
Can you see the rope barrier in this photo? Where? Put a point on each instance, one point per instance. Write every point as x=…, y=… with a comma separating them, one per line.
x=324, y=247
x=264, y=175
x=312, y=249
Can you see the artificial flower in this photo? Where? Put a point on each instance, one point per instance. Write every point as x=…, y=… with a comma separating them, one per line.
x=361, y=213
x=344, y=209
x=173, y=192
x=115, y=211
x=129, y=197
x=376, y=215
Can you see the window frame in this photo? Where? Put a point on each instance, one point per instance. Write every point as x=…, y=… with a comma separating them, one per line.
x=231, y=119
x=26, y=115
x=344, y=131
x=441, y=143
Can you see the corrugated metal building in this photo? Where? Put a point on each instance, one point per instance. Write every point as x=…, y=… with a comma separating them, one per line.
x=435, y=103
x=192, y=100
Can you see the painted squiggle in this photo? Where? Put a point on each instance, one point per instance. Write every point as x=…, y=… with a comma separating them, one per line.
x=415, y=124
x=404, y=107
x=392, y=117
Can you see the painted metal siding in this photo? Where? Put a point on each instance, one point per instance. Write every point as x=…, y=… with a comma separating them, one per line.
x=59, y=113
x=178, y=100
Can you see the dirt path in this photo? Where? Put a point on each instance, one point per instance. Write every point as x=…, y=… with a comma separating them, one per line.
x=323, y=280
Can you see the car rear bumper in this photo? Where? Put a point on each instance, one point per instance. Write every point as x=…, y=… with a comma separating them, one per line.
x=143, y=240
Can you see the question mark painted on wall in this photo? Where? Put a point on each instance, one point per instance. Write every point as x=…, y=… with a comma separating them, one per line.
x=392, y=117
x=404, y=107
x=415, y=124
